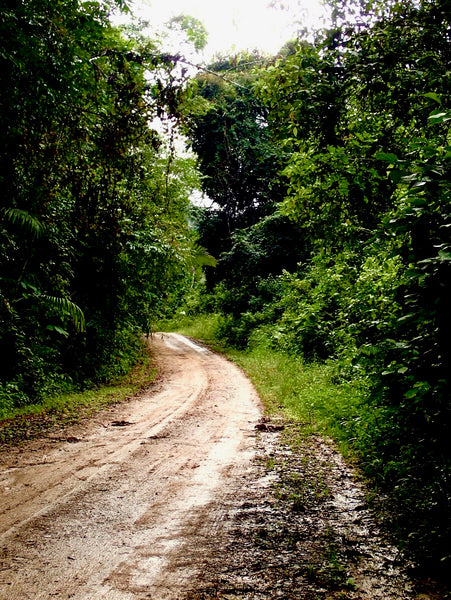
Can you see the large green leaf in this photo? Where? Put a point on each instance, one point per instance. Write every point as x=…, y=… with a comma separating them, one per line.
x=24, y=220
x=66, y=308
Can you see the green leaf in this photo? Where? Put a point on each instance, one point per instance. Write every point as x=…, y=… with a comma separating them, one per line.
x=68, y=308
x=433, y=96
x=387, y=157
x=24, y=220
x=58, y=329
x=202, y=258
x=194, y=29
x=396, y=175
x=440, y=117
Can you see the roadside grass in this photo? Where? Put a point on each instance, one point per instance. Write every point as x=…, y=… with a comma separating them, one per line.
x=57, y=412
x=308, y=394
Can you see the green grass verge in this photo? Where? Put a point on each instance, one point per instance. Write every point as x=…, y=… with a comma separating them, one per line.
x=62, y=410
x=308, y=394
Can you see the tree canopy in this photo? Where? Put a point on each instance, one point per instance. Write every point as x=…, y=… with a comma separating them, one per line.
x=95, y=240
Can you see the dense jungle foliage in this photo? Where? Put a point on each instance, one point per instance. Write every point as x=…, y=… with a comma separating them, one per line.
x=329, y=167
x=95, y=242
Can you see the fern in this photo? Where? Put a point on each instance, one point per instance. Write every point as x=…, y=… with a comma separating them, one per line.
x=201, y=258
x=69, y=309
x=24, y=220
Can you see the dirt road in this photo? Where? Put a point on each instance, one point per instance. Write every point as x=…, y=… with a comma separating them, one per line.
x=108, y=510
x=187, y=493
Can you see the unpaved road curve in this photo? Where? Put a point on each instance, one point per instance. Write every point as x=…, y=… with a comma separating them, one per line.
x=106, y=513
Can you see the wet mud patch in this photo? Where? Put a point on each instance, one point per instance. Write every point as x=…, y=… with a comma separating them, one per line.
x=299, y=528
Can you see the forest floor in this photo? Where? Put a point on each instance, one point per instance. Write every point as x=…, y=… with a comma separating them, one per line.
x=187, y=492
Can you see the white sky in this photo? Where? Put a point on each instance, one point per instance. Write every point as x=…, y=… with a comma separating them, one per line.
x=237, y=24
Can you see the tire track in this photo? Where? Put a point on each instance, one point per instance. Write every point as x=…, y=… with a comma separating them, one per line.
x=104, y=518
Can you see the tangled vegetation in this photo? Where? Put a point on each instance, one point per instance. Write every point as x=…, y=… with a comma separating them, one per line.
x=94, y=235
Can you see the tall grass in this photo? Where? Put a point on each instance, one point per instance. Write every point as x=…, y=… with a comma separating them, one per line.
x=202, y=327
x=307, y=393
